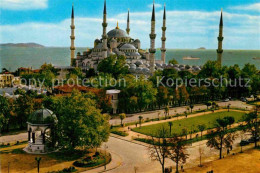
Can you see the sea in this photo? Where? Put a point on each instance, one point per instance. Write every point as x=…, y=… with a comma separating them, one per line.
x=12, y=58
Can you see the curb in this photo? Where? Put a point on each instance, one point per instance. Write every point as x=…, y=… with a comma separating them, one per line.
x=133, y=141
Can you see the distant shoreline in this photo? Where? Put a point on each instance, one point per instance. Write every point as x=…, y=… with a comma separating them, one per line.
x=36, y=45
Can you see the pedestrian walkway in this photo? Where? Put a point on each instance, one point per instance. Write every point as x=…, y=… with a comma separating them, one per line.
x=13, y=138
x=177, y=110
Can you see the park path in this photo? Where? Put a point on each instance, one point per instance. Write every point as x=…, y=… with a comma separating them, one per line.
x=180, y=110
x=13, y=138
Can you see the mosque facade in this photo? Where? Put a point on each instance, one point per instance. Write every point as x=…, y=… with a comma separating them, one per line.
x=119, y=42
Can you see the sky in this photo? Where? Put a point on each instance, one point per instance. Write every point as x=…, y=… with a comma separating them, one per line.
x=190, y=23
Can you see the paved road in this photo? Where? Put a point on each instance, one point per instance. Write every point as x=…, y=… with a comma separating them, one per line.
x=154, y=114
x=133, y=155
x=127, y=155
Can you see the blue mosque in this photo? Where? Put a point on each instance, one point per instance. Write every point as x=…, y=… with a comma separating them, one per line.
x=119, y=42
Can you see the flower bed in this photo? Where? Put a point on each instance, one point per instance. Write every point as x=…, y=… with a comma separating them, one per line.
x=92, y=161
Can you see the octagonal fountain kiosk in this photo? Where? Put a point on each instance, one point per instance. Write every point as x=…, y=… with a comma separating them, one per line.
x=40, y=127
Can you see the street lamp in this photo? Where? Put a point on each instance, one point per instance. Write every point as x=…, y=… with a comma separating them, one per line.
x=8, y=166
x=38, y=159
x=105, y=166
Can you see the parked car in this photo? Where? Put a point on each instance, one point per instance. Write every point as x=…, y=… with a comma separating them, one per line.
x=244, y=142
x=244, y=100
x=252, y=139
x=226, y=100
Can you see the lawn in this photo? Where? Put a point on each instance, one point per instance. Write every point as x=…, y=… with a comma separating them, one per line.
x=24, y=162
x=190, y=123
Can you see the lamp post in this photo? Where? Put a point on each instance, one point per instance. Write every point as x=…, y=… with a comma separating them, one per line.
x=8, y=166
x=105, y=166
x=228, y=106
x=38, y=159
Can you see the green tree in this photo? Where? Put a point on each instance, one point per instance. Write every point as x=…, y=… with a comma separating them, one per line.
x=80, y=123
x=201, y=128
x=90, y=73
x=114, y=65
x=140, y=120
x=183, y=95
x=6, y=112
x=177, y=151
x=122, y=116
x=24, y=106
x=140, y=89
x=166, y=111
x=221, y=137
x=159, y=147
x=208, y=104
x=185, y=132
x=162, y=96
x=230, y=120
x=49, y=67
x=75, y=73
x=173, y=61
x=249, y=70
x=252, y=125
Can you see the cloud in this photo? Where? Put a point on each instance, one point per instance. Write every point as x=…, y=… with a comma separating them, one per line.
x=155, y=5
x=251, y=7
x=185, y=29
x=23, y=4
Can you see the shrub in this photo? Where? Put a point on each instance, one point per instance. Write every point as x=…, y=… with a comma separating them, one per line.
x=96, y=154
x=65, y=170
x=87, y=159
x=120, y=133
x=98, y=160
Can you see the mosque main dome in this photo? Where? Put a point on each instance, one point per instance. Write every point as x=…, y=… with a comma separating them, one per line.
x=117, y=33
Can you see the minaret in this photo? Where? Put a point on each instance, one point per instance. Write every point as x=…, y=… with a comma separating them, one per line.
x=72, y=38
x=220, y=39
x=163, y=50
x=128, y=23
x=104, y=35
x=152, y=49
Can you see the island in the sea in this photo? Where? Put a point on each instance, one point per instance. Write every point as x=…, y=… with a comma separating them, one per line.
x=203, y=48
x=21, y=45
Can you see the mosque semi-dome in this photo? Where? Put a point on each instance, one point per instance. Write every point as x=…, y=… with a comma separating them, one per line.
x=128, y=46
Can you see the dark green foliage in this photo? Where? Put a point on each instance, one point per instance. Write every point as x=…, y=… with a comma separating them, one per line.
x=120, y=133
x=80, y=123
x=173, y=61
x=114, y=65
x=65, y=170
x=89, y=161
